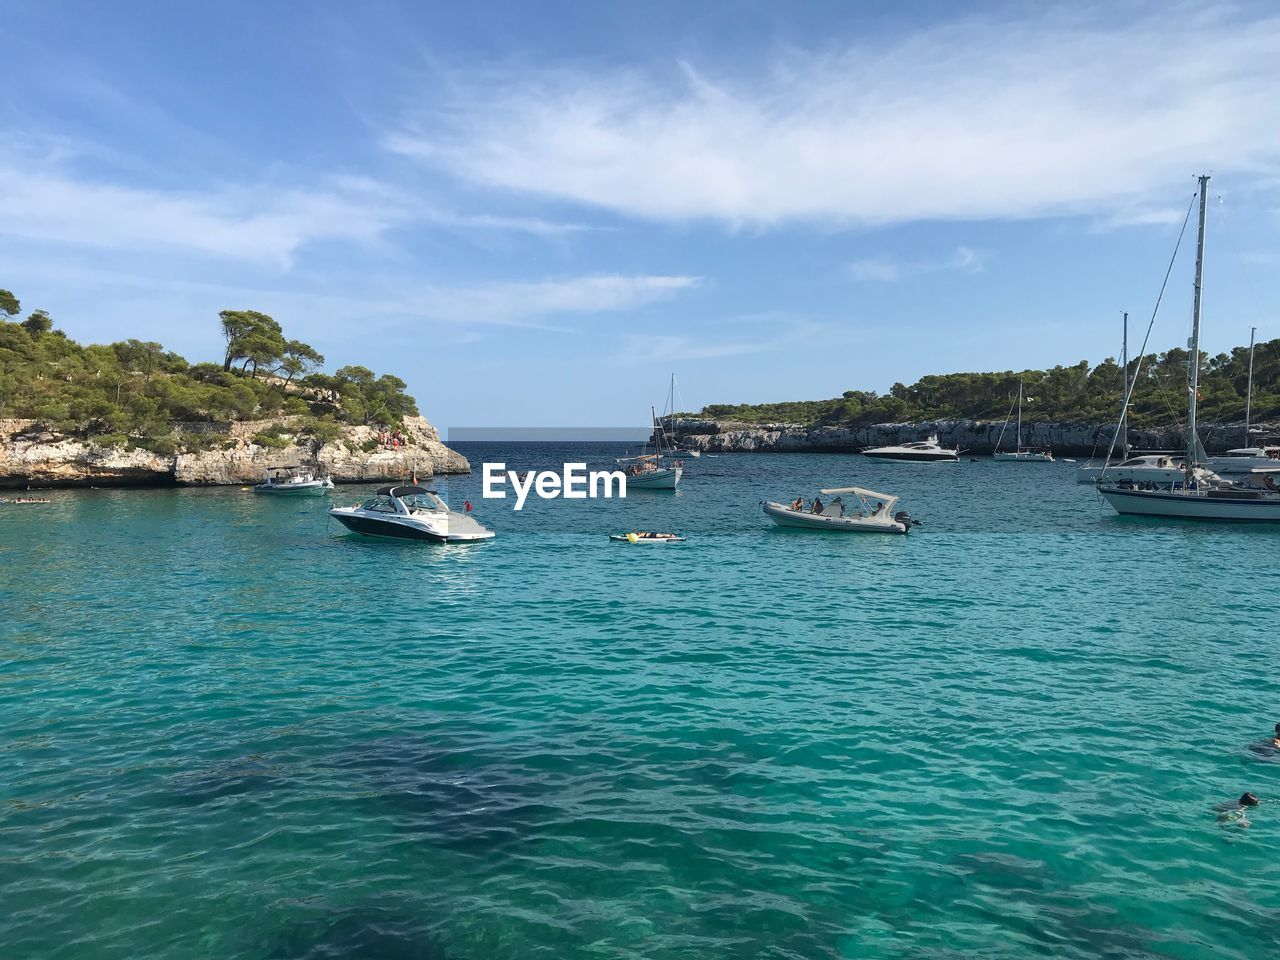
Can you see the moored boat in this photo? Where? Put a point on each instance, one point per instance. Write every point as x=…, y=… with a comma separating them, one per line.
x=917, y=450
x=294, y=481
x=873, y=513
x=1194, y=498
x=410, y=513
x=1019, y=454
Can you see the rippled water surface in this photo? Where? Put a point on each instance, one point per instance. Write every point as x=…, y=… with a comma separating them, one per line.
x=230, y=730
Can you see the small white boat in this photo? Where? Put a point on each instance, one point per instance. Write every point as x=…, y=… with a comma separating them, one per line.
x=873, y=514
x=294, y=482
x=410, y=513
x=1023, y=455
x=658, y=470
x=1019, y=454
x=646, y=536
x=653, y=473
x=918, y=450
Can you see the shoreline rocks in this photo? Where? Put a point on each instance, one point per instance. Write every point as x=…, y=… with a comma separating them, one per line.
x=33, y=457
x=977, y=437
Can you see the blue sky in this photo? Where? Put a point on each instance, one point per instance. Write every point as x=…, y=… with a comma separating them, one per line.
x=534, y=213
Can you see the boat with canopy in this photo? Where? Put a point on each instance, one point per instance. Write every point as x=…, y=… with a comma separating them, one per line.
x=870, y=512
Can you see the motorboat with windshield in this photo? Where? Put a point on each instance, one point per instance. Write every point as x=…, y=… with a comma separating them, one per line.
x=868, y=512
x=410, y=513
x=294, y=481
x=918, y=450
x=1159, y=468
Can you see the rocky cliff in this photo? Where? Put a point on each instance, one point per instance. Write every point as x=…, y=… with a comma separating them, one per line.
x=30, y=456
x=972, y=436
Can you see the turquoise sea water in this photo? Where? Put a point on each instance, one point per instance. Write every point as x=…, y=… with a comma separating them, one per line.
x=227, y=729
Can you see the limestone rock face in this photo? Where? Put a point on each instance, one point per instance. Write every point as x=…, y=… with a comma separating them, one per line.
x=30, y=456
x=972, y=436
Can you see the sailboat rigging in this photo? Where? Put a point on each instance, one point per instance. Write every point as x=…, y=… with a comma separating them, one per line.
x=1019, y=454
x=1199, y=495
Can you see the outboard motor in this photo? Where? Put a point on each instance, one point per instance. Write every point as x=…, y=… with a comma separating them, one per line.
x=906, y=520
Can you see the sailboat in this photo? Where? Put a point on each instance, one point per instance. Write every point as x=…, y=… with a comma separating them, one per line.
x=1253, y=459
x=675, y=403
x=1019, y=454
x=657, y=470
x=1195, y=497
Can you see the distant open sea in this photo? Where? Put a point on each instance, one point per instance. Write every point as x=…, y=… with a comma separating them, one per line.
x=230, y=730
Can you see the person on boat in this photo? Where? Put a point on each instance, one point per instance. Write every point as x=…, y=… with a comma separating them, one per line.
x=879, y=507
x=838, y=505
x=817, y=505
x=797, y=504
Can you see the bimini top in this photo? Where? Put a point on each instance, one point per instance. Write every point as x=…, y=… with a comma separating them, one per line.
x=860, y=491
x=403, y=491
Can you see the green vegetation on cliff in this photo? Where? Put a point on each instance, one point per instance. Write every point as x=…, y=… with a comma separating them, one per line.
x=134, y=391
x=1059, y=395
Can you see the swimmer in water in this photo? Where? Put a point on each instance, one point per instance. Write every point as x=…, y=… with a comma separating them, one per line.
x=1235, y=812
x=1275, y=741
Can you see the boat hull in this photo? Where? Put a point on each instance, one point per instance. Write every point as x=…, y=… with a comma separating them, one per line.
x=786, y=517
x=1023, y=457
x=317, y=488
x=396, y=528
x=913, y=456
x=666, y=479
x=1192, y=506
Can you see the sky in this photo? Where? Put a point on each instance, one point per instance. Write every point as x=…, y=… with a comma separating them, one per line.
x=535, y=214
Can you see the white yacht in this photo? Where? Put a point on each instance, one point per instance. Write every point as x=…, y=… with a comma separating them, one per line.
x=410, y=513
x=294, y=481
x=1193, y=499
x=1159, y=468
x=1246, y=460
x=1019, y=454
x=873, y=513
x=918, y=450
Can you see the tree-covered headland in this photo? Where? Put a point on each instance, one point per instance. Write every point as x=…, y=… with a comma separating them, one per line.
x=138, y=393
x=1078, y=393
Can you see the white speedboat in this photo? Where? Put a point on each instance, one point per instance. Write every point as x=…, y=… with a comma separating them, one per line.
x=410, y=513
x=1019, y=454
x=1192, y=499
x=294, y=482
x=918, y=450
x=873, y=513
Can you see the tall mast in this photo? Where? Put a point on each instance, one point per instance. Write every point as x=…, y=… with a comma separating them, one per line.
x=1194, y=385
x=1248, y=397
x=1124, y=396
x=1019, y=447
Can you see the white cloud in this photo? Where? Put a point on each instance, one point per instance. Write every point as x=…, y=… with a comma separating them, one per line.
x=972, y=119
x=254, y=224
x=649, y=348
x=881, y=270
